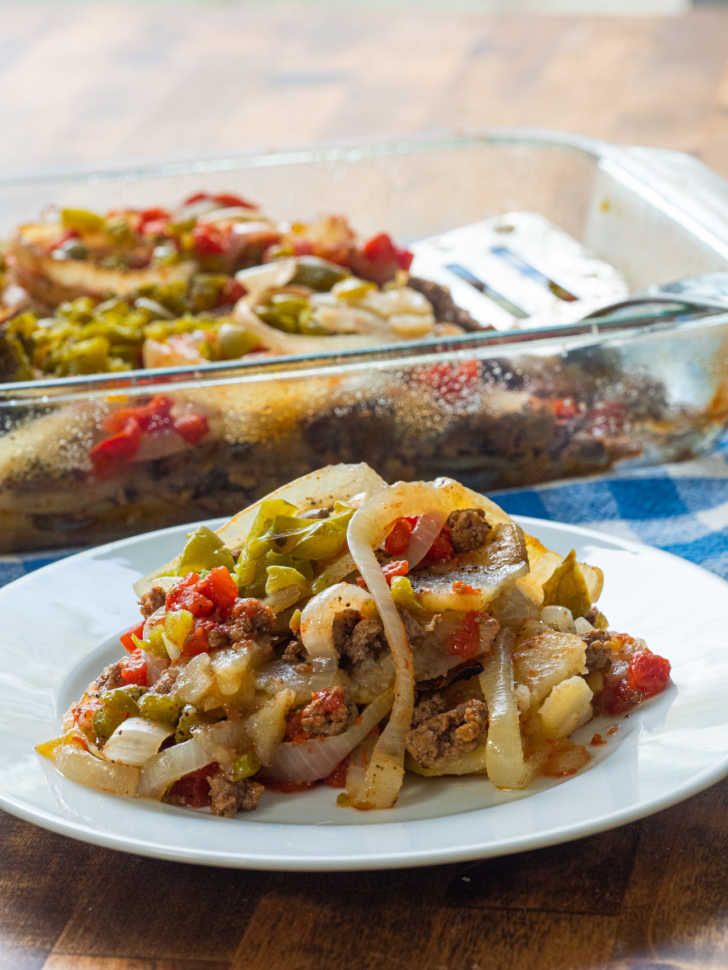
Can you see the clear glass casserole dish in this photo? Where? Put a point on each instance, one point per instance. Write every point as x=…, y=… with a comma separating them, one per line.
x=495, y=409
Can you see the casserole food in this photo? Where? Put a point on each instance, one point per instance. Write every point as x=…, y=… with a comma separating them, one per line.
x=345, y=630
x=492, y=410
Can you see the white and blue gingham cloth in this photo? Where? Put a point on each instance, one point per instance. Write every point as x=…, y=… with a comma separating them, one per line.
x=682, y=508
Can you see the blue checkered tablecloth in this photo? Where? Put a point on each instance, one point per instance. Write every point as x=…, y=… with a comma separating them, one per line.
x=682, y=508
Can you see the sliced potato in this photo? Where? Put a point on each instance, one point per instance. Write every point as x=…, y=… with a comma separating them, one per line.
x=566, y=708
x=478, y=577
x=545, y=658
x=268, y=725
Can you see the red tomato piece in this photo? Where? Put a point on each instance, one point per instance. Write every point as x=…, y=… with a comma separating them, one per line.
x=117, y=449
x=400, y=567
x=193, y=789
x=648, y=673
x=133, y=669
x=220, y=587
x=192, y=427
x=197, y=641
x=463, y=589
x=126, y=638
x=564, y=409
x=400, y=534
x=228, y=199
x=294, y=729
x=465, y=641
x=451, y=381
x=337, y=778
x=184, y=596
x=210, y=240
x=153, y=416
x=153, y=214
x=441, y=549
x=231, y=292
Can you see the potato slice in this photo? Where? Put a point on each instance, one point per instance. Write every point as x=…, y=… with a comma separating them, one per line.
x=545, y=658
x=483, y=574
x=567, y=707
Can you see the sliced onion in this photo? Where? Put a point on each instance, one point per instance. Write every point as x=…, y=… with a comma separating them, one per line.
x=504, y=752
x=84, y=768
x=280, y=342
x=366, y=530
x=169, y=765
x=135, y=741
x=317, y=618
x=258, y=279
x=424, y=534
x=315, y=759
x=356, y=771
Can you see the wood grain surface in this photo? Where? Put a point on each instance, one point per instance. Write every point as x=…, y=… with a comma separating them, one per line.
x=84, y=84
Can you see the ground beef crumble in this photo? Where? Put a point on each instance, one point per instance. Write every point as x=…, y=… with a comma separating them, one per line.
x=166, y=681
x=358, y=639
x=329, y=712
x=152, y=600
x=442, y=736
x=230, y=797
x=468, y=529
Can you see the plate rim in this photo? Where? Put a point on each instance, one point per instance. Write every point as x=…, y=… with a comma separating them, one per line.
x=368, y=860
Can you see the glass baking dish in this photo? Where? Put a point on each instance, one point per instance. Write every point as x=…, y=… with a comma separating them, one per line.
x=494, y=409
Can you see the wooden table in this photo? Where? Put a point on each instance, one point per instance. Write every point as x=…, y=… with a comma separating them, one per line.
x=87, y=84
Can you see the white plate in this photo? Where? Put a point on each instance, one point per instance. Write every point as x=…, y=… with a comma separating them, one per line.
x=60, y=627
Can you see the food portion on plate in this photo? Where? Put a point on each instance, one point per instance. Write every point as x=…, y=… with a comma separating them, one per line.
x=348, y=632
x=143, y=288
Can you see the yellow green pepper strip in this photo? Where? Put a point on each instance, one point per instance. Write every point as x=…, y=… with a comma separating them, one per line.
x=82, y=220
x=244, y=766
x=204, y=549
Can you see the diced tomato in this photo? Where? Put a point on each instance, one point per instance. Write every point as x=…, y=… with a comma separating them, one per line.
x=192, y=427
x=210, y=240
x=463, y=589
x=133, y=669
x=197, y=641
x=400, y=534
x=294, y=729
x=400, y=567
x=193, y=789
x=465, y=641
x=153, y=416
x=184, y=596
x=616, y=697
x=126, y=638
x=381, y=249
x=648, y=673
x=337, y=778
x=154, y=214
x=564, y=408
x=117, y=449
x=451, y=381
x=228, y=199
x=441, y=549
x=231, y=291
x=220, y=587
